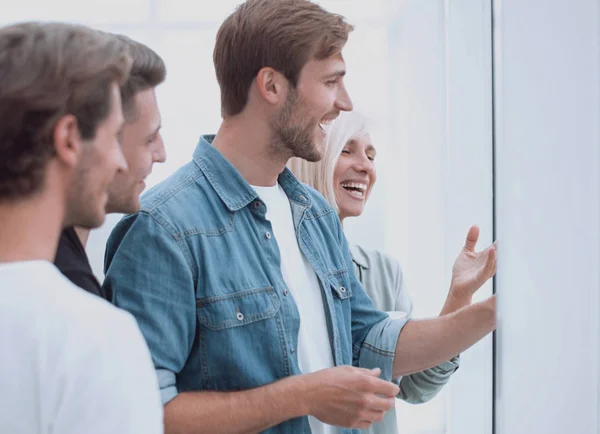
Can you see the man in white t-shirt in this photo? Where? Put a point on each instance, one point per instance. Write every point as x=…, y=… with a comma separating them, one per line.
x=69, y=362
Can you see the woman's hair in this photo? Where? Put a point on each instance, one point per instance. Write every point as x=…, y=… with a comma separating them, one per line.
x=319, y=175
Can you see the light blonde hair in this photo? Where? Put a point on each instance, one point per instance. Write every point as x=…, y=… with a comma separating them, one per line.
x=348, y=126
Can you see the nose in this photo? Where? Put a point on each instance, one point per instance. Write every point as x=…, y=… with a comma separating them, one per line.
x=363, y=164
x=343, y=102
x=160, y=154
x=119, y=159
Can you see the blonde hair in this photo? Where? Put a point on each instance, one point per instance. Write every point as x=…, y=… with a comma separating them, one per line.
x=348, y=126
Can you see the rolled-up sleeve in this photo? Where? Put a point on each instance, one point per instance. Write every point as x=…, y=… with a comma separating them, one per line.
x=425, y=385
x=147, y=271
x=379, y=347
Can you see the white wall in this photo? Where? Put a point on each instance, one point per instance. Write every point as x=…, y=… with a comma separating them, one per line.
x=548, y=217
x=439, y=180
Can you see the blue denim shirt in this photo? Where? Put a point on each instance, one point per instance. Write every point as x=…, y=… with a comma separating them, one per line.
x=199, y=269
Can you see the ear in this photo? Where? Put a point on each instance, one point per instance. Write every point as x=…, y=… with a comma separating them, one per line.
x=271, y=85
x=67, y=141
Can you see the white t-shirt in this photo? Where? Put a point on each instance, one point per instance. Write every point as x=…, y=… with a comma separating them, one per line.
x=70, y=362
x=314, y=348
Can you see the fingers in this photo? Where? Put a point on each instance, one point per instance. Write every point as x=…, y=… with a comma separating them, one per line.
x=490, y=263
x=472, y=237
x=383, y=388
x=375, y=372
x=375, y=416
x=380, y=403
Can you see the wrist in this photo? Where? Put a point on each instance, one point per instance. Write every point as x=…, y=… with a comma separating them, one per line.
x=460, y=295
x=303, y=387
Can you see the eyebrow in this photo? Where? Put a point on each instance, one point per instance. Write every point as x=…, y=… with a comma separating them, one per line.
x=339, y=73
x=370, y=147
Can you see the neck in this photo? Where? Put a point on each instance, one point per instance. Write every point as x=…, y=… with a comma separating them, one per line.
x=248, y=147
x=83, y=234
x=30, y=228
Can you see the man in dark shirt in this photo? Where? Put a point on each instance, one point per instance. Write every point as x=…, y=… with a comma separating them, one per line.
x=142, y=146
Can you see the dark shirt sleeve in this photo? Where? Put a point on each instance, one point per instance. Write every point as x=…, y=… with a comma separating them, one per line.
x=72, y=261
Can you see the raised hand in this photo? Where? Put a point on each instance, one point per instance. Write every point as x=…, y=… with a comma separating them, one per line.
x=472, y=269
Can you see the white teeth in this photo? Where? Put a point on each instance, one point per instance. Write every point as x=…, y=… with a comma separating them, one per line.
x=359, y=194
x=326, y=124
x=357, y=185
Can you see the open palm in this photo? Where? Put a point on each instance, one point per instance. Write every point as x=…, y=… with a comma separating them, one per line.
x=472, y=269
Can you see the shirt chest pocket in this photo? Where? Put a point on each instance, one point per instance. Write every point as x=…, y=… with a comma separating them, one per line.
x=237, y=309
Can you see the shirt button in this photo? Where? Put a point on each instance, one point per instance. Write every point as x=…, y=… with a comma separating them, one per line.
x=302, y=198
x=268, y=235
x=342, y=289
x=240, y=316
x=286, y=292
x=292, y=351
x=257, y=204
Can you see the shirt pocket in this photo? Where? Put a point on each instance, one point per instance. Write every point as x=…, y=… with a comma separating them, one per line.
x=237, y=309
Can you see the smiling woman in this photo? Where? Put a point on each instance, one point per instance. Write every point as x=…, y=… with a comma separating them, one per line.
x=346, y=176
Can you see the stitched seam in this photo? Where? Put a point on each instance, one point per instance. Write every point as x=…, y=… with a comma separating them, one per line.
x=377, y=350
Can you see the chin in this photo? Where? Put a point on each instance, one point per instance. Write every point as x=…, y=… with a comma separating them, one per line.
x=132, y=207
x=350, y=212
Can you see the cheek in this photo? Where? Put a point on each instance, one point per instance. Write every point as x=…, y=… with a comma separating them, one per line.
x=338, y=172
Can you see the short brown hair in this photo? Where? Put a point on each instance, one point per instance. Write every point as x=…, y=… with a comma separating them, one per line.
x=281, y=34
x=47, y=71
x=148, y=70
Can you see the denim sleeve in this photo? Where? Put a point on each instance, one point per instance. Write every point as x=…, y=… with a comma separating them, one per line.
x=374, y=334
x=148, y=274
x=421, y=386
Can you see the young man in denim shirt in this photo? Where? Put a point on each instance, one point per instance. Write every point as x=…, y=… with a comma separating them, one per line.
x=240, y=276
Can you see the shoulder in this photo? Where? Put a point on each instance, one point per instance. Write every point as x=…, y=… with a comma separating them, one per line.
x=177, y=188
x=68, y=317
x=377, y=261
x=319, y=205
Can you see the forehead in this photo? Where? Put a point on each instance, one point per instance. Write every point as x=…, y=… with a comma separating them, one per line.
x=321, y=68
x=364, y=141
x=145, y=105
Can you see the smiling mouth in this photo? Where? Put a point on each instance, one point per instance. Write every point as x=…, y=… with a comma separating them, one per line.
x=326, y=124
x=356, y=189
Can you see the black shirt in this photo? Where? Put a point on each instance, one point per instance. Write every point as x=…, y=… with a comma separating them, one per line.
x=72, y=261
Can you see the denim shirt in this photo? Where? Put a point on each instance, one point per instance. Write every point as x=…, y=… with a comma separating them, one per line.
x=198, y=267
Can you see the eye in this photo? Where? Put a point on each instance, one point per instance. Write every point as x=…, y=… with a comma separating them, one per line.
x=371, y=157
x=151, y=139
x=345, y=152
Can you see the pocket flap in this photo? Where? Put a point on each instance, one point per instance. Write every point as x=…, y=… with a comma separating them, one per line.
x=237, y=309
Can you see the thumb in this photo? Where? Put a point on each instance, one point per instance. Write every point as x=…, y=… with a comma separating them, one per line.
x=472, y=237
